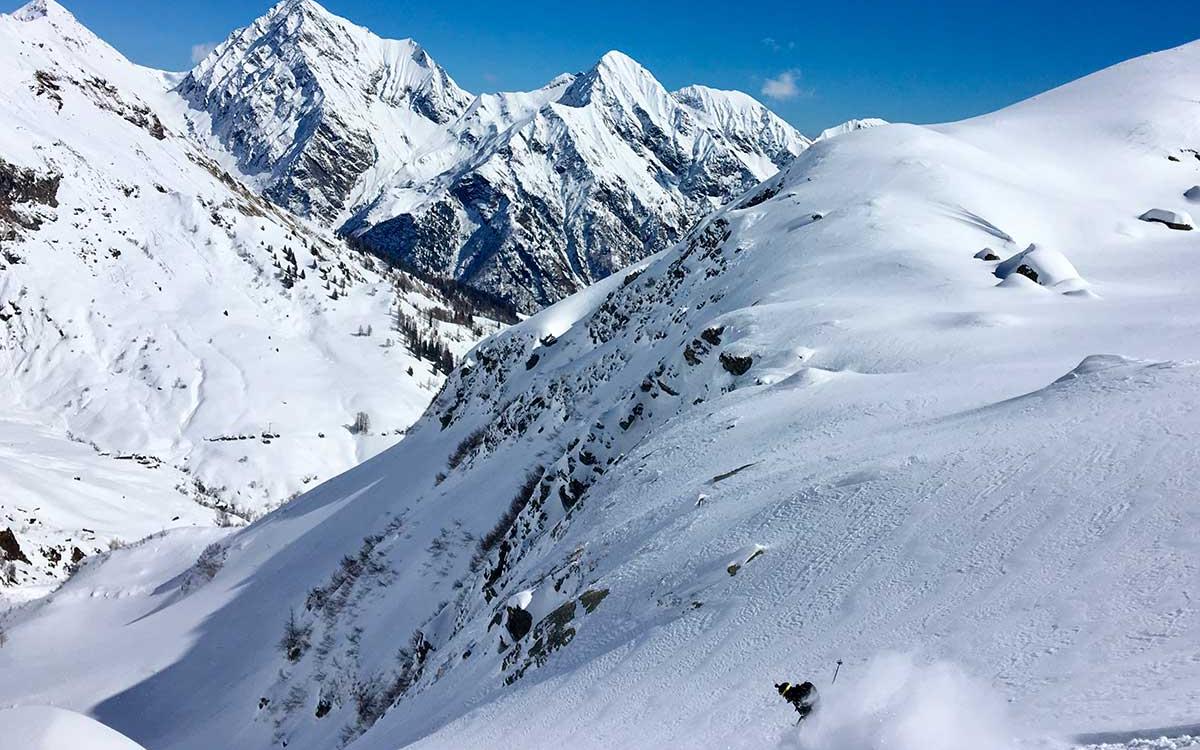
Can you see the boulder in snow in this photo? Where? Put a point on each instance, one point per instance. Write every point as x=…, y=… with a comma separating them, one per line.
x=1173, y=219
x=1193, y=193
x=987, y=254
x=735, y=364
x=1047, y=267
x=10, y=550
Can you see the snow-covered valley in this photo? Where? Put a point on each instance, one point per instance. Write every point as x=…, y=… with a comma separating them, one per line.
x=161, y=323
x=926, y=402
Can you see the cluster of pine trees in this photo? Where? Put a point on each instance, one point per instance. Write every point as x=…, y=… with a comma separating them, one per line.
x=423, y=340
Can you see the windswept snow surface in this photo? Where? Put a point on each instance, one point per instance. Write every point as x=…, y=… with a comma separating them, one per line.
x=817, y=429
x=49, y=728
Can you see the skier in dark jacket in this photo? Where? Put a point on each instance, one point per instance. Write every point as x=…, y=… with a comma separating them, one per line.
x=803, y=697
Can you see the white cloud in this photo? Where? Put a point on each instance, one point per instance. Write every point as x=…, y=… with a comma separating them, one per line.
x=786, y=85
x=200, y=51
x=771, y=44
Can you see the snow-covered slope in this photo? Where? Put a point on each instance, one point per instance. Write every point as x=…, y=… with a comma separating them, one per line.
x=155, y=309
x=818, y=428
x=49, y=728
x=755, y=134
x=546, y=193
x=308, y=104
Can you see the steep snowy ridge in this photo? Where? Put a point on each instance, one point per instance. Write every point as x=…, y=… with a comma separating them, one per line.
x=753, y=130
x=608, y=169
x=196, y=342
x=830, y=423
x=309, y=103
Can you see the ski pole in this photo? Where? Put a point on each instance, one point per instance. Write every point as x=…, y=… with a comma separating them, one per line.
x=835, y=670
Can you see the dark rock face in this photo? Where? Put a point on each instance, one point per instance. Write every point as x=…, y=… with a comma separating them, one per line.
x=21, y=190
x=330, y=163
x=519, y=623
x=532, y=249
x=106, y=96
x=47, y=85
x=1028, y=272
x=425, y=245
x=736, y=365
x=10, y=550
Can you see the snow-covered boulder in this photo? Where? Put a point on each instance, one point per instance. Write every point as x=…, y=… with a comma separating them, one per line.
x=1043, y=265
x=1192, y=193
x=1173, y=219
x=987, y=254
x=1094, y=363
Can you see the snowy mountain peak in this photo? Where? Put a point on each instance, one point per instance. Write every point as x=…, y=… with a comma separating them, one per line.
x=708, y=98
x=746, y=122
x=57, y=22
x=36, y=9
x=45, y=43
x=373, y=137
x=544, y=192
x=307, y=102
x=617, y=62
x=287, y=7
x=726, y=106
x=560, y=79
x=296, y=12
x=614, y=77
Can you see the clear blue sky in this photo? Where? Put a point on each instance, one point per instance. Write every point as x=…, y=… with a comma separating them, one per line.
x=903, y=61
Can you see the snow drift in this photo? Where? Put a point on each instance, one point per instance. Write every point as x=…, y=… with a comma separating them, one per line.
x=49, y=728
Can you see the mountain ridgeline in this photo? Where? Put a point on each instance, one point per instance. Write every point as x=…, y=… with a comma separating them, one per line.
x=200, y=352
x=525, y=196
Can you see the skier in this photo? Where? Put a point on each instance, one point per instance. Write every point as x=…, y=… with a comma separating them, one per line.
x=803, y=697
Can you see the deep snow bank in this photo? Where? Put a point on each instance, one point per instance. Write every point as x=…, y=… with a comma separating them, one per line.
x=49, y=728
